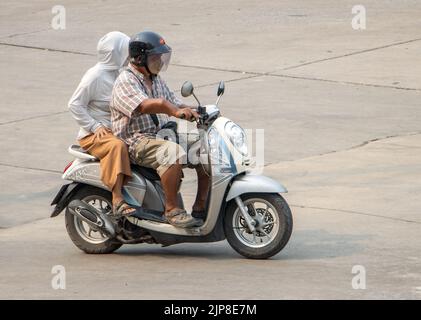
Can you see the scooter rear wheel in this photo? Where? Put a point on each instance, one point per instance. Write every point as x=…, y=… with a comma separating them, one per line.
x=85, y=238
x=273, y=223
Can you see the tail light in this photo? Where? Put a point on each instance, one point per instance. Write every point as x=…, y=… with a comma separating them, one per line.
x=68, y=166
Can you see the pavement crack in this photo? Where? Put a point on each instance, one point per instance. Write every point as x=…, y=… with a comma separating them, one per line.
x=360, y=145
x=226, y=81
x=45, y=49
x=33, y=117
x=381, y=139
x=345, y=82
x=261, y=74
x=404, y=146
x=356, y=212
x=30, y=168
x=25, y=223
x=351, y=54
x=173, y=64
x=221, y=69
x=24, y=33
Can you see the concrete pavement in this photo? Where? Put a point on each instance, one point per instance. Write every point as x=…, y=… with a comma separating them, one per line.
x=340, y=109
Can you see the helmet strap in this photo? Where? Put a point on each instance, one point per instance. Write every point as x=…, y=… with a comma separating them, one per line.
x=137, y=61
x=149, y=71
x=140, y=61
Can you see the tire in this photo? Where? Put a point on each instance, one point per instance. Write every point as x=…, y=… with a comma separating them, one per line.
x=283, y=227
x=108, y=246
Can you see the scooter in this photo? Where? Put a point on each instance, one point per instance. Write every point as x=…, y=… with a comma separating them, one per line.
x=244, y=208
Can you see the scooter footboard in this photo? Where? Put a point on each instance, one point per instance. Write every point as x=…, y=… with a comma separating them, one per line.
x=253, y=183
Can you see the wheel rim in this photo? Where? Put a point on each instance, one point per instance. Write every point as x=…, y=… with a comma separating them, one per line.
x=83, y=229
x=267, y=223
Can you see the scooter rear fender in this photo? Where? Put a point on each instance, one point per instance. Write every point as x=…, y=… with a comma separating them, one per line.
x=62, y=199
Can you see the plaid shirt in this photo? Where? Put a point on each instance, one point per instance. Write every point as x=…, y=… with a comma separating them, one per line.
x=128, y=123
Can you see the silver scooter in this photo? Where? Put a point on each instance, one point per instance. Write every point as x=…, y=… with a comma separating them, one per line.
x=244, y=208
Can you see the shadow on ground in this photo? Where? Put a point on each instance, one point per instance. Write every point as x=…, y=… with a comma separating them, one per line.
x=303, y=245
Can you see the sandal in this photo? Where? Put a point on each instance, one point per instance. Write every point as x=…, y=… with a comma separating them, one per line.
x=121, y=207
x=199, y=214
x=180, y=218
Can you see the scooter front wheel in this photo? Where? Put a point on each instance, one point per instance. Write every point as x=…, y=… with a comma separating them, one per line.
x=273, y=225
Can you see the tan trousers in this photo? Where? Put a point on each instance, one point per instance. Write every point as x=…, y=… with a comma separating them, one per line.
x=113, y=156
x=161, y=154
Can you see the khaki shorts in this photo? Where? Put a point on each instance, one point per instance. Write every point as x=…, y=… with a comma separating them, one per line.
x=161, y=154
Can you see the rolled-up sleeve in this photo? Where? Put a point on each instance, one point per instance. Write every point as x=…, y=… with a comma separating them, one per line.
x=128, y=94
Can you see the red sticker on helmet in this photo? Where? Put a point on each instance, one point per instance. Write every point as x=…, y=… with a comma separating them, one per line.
x=161, y=41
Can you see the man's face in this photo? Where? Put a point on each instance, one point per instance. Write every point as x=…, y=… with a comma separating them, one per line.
x=158, y=62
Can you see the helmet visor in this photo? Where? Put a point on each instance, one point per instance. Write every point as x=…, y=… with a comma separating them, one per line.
x=158, y=62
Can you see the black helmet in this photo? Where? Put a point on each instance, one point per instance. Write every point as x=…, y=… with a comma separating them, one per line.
x=148, y=49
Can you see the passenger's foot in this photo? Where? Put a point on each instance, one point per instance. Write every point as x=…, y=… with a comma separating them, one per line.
x=199, y=214
x=179, y=218
x=123, y=209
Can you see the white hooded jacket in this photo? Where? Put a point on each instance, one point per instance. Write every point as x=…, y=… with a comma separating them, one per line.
x=90, y=103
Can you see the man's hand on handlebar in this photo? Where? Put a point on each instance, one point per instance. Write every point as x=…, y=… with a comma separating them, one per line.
x=187, y=114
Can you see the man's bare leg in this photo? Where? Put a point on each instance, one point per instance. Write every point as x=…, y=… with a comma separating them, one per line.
x=202, y=189
x=117, y=193
x=170, y=181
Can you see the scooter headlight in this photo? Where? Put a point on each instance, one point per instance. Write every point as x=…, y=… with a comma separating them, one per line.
x=213, y=139
x=237, y=137
x=217, y=154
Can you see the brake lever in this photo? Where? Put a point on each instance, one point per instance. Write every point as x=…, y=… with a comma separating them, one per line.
x=183, y=117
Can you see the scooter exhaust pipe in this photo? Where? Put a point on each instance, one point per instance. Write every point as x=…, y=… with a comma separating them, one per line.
x=95, y=218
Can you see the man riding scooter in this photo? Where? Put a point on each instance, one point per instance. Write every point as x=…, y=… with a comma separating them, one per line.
x=244, y=208
x=141, y=105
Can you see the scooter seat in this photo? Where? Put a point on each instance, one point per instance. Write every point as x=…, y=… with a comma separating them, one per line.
x=148, y=173
x=80, y=153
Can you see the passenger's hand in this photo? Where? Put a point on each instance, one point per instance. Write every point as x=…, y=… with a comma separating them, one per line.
x=187, y=114
x=101, y=132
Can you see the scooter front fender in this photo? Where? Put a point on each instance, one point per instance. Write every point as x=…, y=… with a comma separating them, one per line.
x=248, y=183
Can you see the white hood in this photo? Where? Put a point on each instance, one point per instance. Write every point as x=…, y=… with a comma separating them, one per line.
x=113, y=50
x=90, y=103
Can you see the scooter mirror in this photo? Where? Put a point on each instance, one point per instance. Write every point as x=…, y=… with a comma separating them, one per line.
x=187, y=89
x=221, y=89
